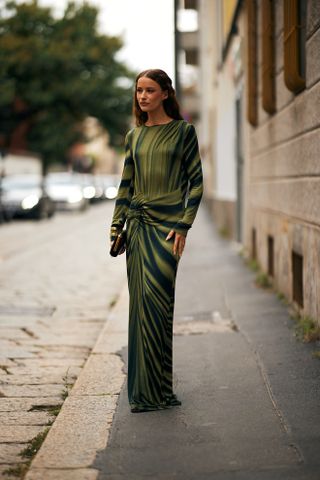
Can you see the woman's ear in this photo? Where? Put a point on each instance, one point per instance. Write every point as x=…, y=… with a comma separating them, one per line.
x=165, y=94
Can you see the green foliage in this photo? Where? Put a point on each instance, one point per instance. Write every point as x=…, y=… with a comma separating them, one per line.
x=307, y=329
x=17, y=471
x=262, y=280
x=35, y=444
x=67, y=385
x=224, y=232
x=56, y=72
x=253, y=265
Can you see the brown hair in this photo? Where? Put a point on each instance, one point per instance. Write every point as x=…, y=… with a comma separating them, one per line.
x=170, y=104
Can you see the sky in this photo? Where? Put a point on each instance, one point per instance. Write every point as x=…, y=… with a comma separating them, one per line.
x=146, y=26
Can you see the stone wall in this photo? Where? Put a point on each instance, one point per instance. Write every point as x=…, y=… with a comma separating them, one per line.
x=223, y=213
x=284, y=171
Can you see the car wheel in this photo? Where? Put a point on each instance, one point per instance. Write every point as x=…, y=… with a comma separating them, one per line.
x=41, y=212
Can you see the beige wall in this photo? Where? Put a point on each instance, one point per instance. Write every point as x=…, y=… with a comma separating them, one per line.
x=284, y=171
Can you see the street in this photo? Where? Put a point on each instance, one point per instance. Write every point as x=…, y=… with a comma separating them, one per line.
x=249, y=388
x=57, y=285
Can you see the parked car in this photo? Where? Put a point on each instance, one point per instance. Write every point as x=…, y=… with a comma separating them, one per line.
x=110, y=185
x=99, y=187
x=87, y=182
x=26, y=196
x=67, y=191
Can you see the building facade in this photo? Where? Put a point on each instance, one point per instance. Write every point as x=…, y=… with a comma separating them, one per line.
x=259, y=122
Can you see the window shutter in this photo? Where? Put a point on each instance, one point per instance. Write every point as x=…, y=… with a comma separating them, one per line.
x=294, y=45
x=268, y=57
x=252, y=79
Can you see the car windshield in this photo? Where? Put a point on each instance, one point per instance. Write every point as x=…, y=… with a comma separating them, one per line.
x=20, y=183
x=60, y=180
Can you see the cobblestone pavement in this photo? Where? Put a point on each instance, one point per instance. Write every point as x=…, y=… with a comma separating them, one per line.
x=57, y=283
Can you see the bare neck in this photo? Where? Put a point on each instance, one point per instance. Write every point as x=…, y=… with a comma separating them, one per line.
x=157, y=118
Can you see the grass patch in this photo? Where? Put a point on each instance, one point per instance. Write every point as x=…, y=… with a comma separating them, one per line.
x=262, y=280
x=307, y=329
x=113, y=301
x=281, y=297
x=5, y=369
x=29, y=452
x=316, y=354
x=18, y=471
x=253, y=265
x=35, y=444
x=224, y=232
x=67, y=386
x=54, y=410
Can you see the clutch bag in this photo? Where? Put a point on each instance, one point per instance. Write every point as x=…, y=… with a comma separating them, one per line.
x=118, y=243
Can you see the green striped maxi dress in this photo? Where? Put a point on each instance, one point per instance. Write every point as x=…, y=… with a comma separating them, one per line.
x=160, y=190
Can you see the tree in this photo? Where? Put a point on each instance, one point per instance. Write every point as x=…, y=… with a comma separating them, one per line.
x=59, y=71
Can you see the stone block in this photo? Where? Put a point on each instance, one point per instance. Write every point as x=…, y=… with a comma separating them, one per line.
x=111, y=343
x=81, y=428
x=25, y=418
x=313, y=17
x=298, y=157
x=30, y=390
x=279, y=52
x=9, y=453
x=313, y=59
x=19, y=433
x=102, y=375
x=26, y=404
x=43, y=379
x=52, y=362
x=298, y=198
x=283, y=95
x=278, y=16
x=298, y=117
x=62, y=474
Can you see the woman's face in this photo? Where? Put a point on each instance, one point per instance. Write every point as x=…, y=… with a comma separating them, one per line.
x=149, y=95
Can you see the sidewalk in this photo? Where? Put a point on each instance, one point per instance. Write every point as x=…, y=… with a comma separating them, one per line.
x=249, y=390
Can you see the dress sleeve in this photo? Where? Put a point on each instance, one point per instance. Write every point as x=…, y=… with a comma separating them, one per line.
x=125, y=192
x=192, y=163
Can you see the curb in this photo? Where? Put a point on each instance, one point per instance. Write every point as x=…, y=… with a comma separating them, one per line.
x=85, y=419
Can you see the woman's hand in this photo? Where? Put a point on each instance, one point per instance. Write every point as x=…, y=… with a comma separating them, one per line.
x=179, y=242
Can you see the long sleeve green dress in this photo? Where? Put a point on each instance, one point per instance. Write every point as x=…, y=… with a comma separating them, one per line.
x=160, y=190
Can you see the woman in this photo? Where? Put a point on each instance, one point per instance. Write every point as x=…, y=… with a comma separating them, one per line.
x=162, y=162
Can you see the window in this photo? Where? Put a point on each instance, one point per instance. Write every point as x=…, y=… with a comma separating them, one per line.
x=268, y=57
x=190, y=4
x=294, y=44
x=252, y=79
x=297, y=278
x=270, y=256
x=254, y=243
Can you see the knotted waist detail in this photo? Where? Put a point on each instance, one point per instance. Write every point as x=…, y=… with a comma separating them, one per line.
x=166, y=209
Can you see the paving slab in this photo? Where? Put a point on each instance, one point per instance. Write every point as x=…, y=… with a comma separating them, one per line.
x=19, y=391
x=27, y=404
x=63, y=474
x=19, y=433
x=10, y=453
x=79, y=431
x=25, y=418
